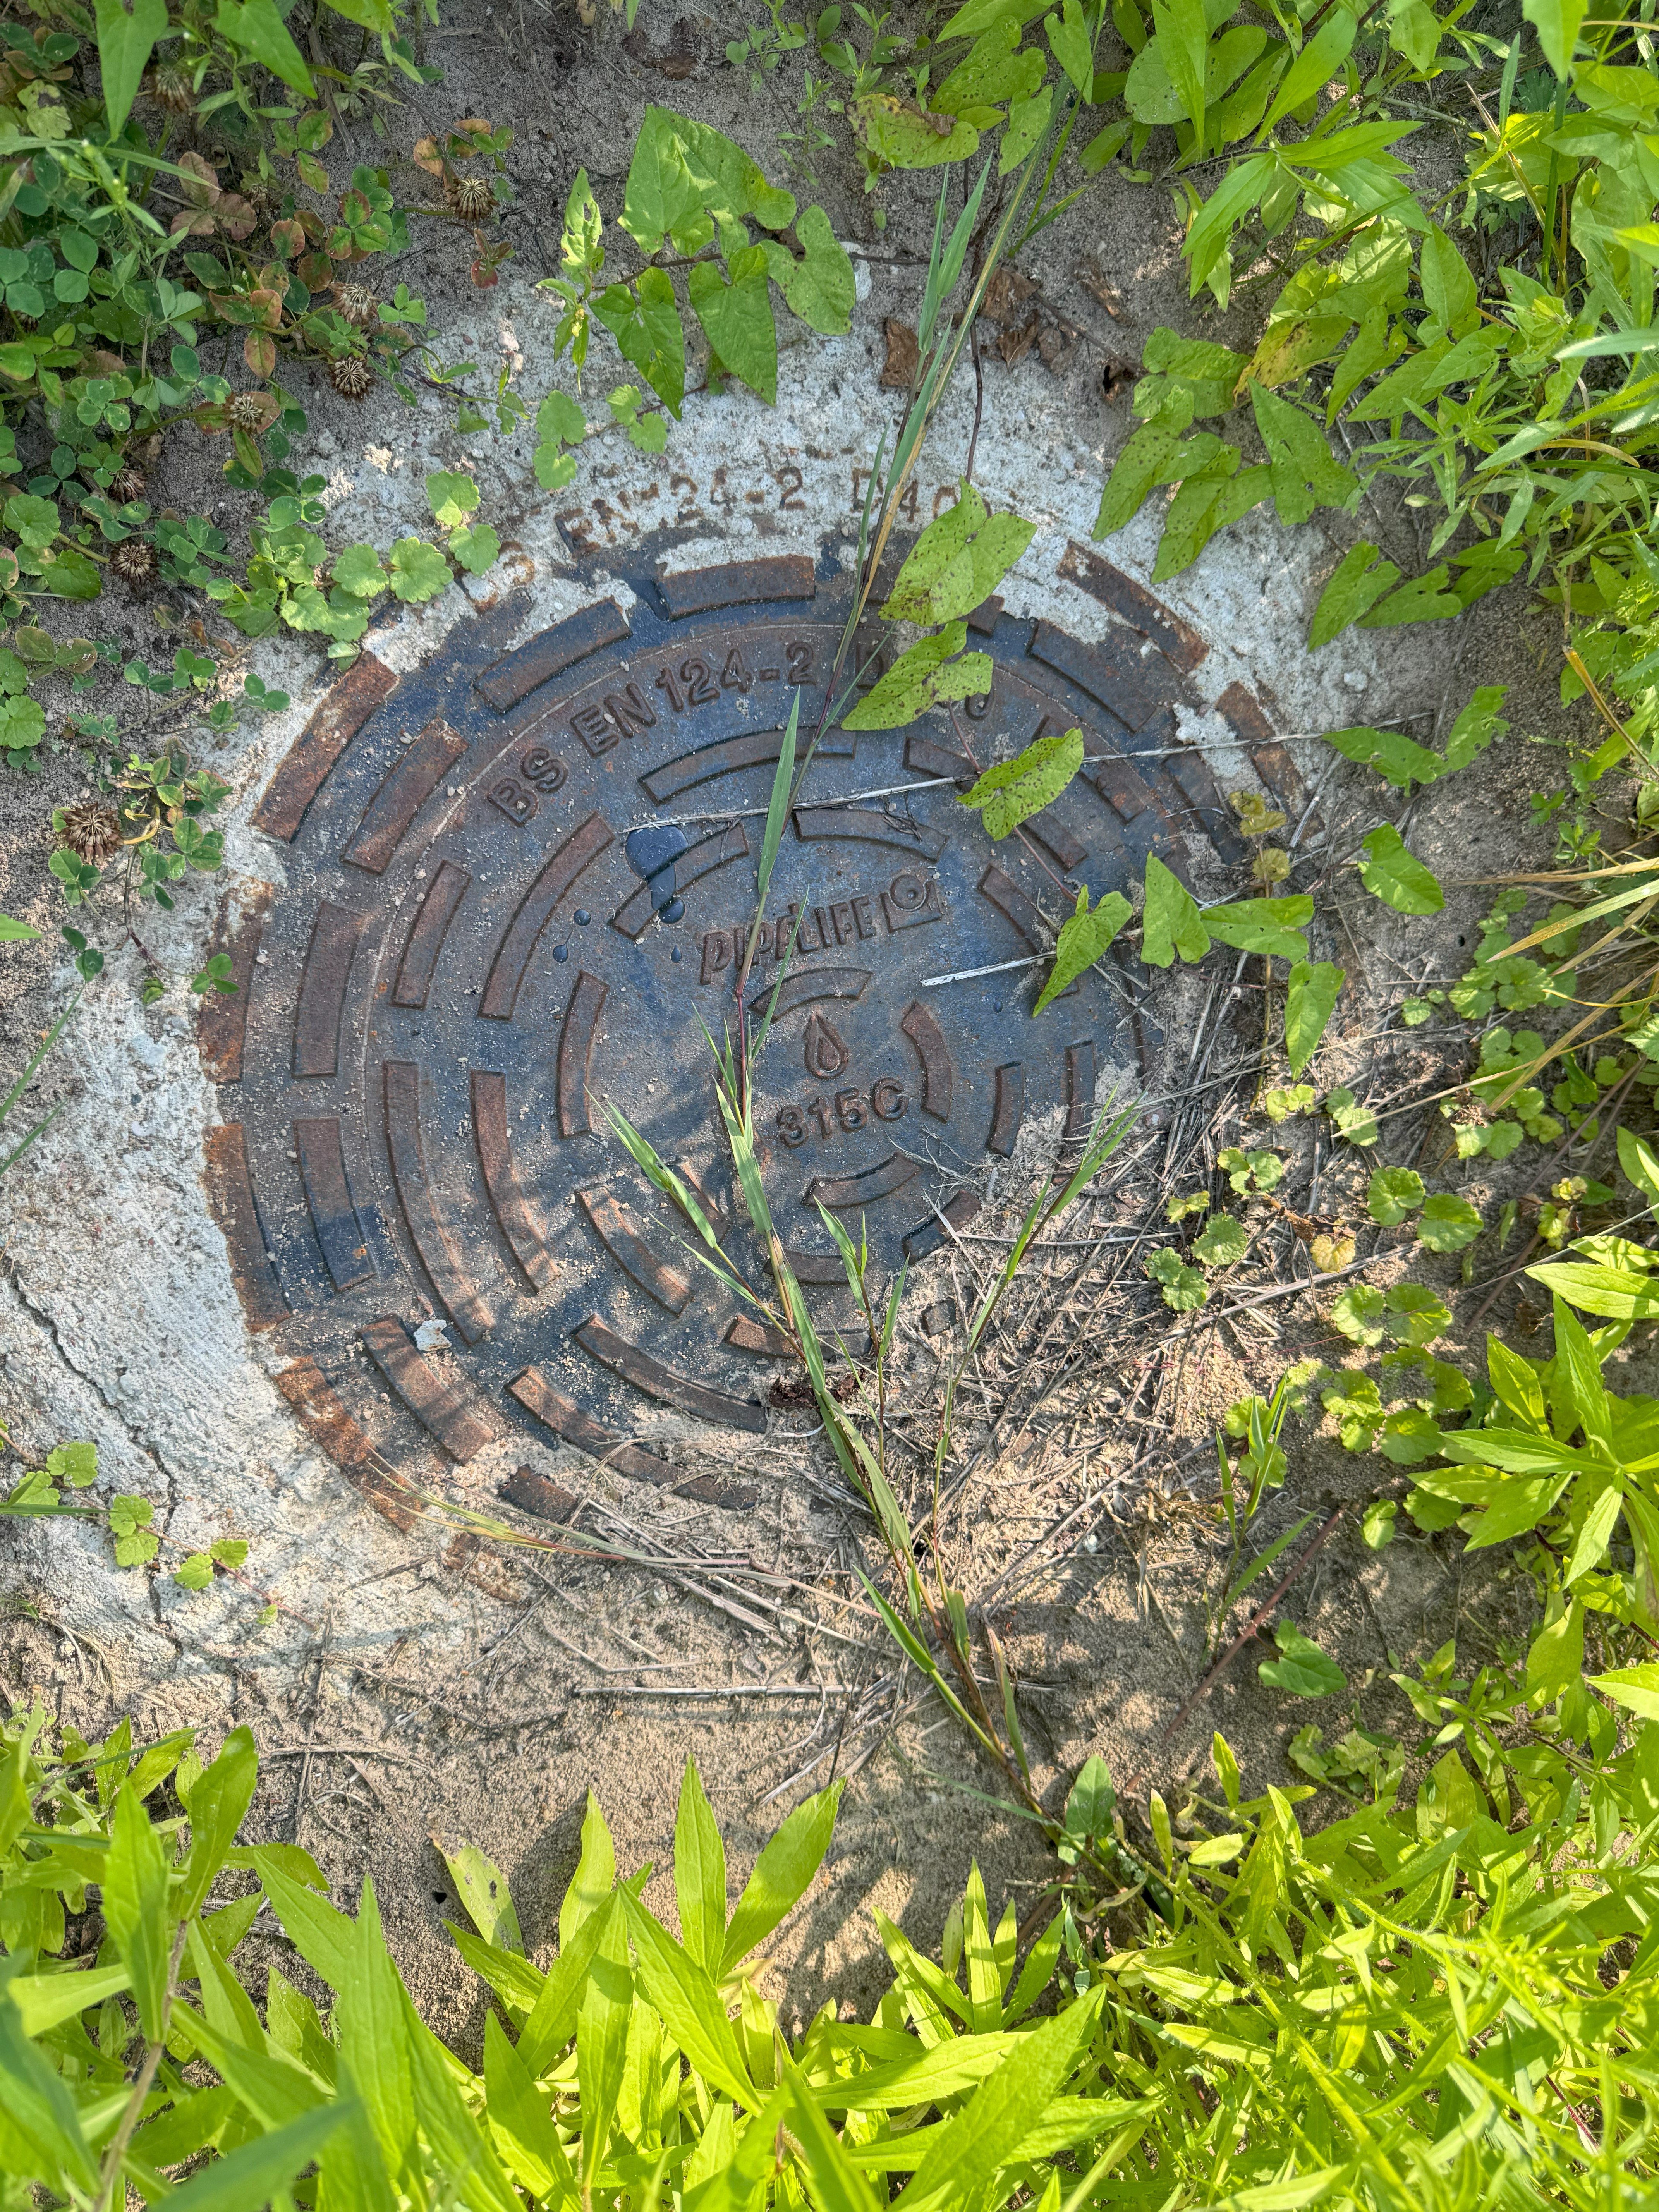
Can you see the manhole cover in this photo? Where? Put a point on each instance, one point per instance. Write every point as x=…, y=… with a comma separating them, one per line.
x=516, y=885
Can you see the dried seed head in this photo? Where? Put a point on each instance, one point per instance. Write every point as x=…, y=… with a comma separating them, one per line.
x=357, y=303
x=127, y=483
x=247, y=412
x=92, y=831
x=350, y=376
x=173, y=88
x=471, y=198
x=133, y=562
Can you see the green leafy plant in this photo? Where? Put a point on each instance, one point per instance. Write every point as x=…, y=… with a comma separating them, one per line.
x=1361, y=1763
x=694, y=193
x=1448, y=1223
x=648, y=433
x=1396, y=876
x=1302, y=1667
x=619, y=2067
x=123, y=253
x=1393, y=1193
x=1281, y=1104
x=473, y=546
x=38, y=1494
x=1407, y=1315
x=1446, y=1949
x=1401, y=762
x=1559, y=1449
x=156, y=831
x=111, y=300
x=1222, y=1242
x=1350, y=1119
x=1260, y=1466
x=1085, y=935
x=1183, y=1288
x=1253, y=1171
x=957, y=562
x=1014, y=790
x=292, y=580
x=1483, y=394
x=764, y=45
x=559, y=423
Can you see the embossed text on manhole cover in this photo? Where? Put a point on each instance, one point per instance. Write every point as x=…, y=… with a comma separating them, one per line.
x=518, y=884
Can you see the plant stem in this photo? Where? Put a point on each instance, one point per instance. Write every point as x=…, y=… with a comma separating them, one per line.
x=1319, y=1537
x=141, y=2088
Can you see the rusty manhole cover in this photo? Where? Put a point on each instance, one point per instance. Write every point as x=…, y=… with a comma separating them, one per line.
x=514, y=885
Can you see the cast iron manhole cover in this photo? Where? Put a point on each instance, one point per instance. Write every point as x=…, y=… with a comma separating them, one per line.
x=516, y=886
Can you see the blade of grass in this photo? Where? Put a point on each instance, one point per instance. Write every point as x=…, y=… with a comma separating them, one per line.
x=1011, y=1717
x=777, y=813
x=765, y=1029
x=944, y=269
x=923, y=1660
x=23, y=1080
x=22, y=1146
x=1260, y=1565
x=933, y=291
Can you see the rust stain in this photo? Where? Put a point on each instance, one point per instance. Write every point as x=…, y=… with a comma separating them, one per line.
x=1177, y=640
x=736, y=584
x=222, y=1023
x=331, y=1429
x=533, y=1494
x=230, y=1199
x=1271, y=758
x=319, y=745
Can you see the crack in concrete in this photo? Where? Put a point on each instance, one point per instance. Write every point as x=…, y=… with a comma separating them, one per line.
x=44, y=1321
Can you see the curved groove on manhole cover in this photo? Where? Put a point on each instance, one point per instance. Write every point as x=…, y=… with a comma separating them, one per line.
x=520, y=889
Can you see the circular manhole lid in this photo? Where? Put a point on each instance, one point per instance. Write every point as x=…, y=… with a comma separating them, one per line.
x=517, y=887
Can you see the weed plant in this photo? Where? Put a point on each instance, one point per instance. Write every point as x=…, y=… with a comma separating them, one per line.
x=1427, y=2007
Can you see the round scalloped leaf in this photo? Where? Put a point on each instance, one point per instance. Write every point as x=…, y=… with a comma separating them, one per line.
x=1409, y=1435
x=1359, y=1313
x=1448, y=1224
x=1182, y=1286
x=1223, y=1243
x=22, y=724
x=1415, y=1315
x=1392, y=1194
x=419, y=571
